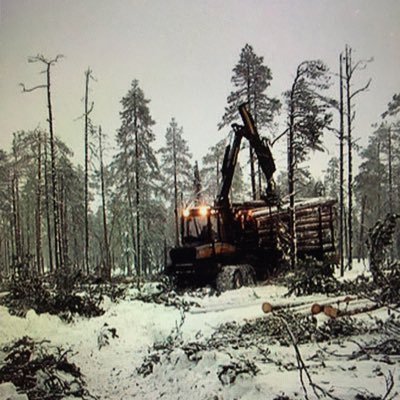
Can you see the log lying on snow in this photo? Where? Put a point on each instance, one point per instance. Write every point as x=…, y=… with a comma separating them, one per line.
x=335, y=312
x=268, y=307
x=337, y=307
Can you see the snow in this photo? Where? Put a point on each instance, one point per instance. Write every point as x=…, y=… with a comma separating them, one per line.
x=9, y=392
x=111, y=371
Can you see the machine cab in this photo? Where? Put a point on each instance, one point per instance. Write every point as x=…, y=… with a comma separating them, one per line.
x=199, y=225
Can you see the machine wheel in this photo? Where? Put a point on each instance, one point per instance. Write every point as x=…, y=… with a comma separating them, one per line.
x=235, y=276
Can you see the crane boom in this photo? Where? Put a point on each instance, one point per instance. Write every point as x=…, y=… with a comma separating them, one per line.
x=263, y=153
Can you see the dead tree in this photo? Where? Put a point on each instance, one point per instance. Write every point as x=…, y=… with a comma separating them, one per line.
x=350, y=69
x=39, y=254
x=47, y=205
x=56, y=212
x=341, y=170
x=88, y=110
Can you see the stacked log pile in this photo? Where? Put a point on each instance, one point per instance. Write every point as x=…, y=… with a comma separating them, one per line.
x=268, y=227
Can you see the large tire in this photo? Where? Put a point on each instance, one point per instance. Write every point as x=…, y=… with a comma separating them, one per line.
x=234, y=277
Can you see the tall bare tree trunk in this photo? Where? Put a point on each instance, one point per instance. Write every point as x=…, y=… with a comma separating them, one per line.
x=56, y=211
x=350, y=157
x=53, y=156
x=350, y=94
x=47, y=204
x=39, y=254
x=341, y=171
x=87, y=111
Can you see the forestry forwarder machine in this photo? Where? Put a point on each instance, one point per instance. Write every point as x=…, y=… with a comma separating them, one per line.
x=232, y=245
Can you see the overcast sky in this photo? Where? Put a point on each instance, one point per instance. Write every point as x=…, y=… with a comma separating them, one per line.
x=182, y=53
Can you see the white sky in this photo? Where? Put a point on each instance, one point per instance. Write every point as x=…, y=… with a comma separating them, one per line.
x=182, y=53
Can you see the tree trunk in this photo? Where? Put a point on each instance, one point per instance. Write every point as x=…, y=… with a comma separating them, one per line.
x=379, y=208
x=361, y=245
x=103, y=201
x=39, y=254
x=138, y=205
x=132, y=219
x=175, y=188
x=47, y=204
x=63, y=223
x=291, y=181
x=57, y=244
x=251, y=151
x=341, y=171
x=16, y=221
x=87, y=77
x=350, y=158
x=16, y=207
x=390, y=173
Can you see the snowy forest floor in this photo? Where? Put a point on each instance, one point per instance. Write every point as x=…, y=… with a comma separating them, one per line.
x=223, y=347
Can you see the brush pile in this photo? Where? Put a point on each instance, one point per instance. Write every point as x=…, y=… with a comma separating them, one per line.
x=41, y=371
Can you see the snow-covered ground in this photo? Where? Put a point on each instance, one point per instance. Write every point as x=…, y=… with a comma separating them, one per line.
x=110, y=369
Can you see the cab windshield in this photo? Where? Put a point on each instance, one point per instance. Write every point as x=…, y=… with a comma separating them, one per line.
x=199, y=228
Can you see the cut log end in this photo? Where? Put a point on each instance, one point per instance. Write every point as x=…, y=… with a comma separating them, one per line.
x=331, y=312
x=267, y=307
x=316, y=308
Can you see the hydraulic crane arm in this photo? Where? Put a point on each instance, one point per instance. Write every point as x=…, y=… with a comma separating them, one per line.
x=263, y=153
x=260, y=147
x=228, y=167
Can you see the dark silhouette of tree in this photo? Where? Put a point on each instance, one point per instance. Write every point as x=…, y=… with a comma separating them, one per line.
x=308, y=118
x=176, y=168
x=137, y=165
x=49, y=63
x=251, y=79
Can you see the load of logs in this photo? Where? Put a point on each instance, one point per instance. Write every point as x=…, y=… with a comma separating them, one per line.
x=268, y=227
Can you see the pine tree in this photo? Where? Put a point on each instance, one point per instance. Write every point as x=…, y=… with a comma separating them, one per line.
x=238, y=187
x=211, y=170
x=370, y=188
x=331, y=178
x=308, y=118
x=136, y=165
x=251, y=79
x=393, y=106
x=176, y=169
x=197, y=186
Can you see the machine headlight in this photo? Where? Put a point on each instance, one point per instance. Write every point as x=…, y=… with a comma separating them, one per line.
x=203, y=211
